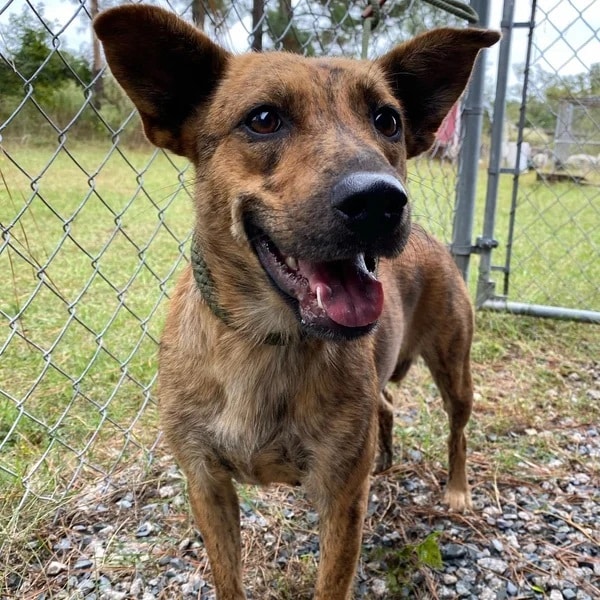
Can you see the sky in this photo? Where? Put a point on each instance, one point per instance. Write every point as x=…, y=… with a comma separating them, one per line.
x=567, y=51
x=567, y=34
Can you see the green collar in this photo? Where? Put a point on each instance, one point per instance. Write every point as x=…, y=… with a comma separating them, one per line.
x=206, y=285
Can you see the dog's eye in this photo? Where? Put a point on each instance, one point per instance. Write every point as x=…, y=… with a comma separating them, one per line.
x=387, y=121
x=263, y=120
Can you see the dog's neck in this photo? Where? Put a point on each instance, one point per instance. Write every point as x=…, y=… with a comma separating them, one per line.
x=206, y=286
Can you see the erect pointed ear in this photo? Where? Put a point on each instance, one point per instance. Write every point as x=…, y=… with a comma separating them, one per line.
x=428, y=74
x=166, y=66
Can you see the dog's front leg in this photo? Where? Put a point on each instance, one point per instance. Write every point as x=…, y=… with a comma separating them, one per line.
x=217, y=513
x=341, y=536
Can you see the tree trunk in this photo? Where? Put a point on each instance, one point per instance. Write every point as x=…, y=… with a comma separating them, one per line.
x=198, y=14
x=258, y=10
x=97, y=64
x=290, y=41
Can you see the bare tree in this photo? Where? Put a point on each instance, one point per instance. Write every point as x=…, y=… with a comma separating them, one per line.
x=198, y=14
x=97, y=63
x=258, y=10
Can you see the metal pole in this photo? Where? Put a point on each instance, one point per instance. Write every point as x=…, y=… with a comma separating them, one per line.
x=468, y=164
x=540, y=310
x=517, y=173
x=485, y=287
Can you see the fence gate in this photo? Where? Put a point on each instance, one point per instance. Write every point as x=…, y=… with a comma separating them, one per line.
x=540, y=244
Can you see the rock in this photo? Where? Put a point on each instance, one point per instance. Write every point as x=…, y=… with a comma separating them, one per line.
x=184, y=544
x=446, y=593
x=55, y=567
x=166, y=491
x=83, y=563
x=493, y=564
x=415, y=455
x=13, y=581
x=379, y=588
x=63, y=545
x=106, y=531
x=453, y=551
x=487, y=594
x=511, y=589
x=86, y=586
x=145, y=529
x=136, y=586
x=124, y=504
x=112, y=595
x=462, y=589
x=177, y=563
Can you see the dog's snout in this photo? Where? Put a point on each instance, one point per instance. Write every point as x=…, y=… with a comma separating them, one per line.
x=369, y=203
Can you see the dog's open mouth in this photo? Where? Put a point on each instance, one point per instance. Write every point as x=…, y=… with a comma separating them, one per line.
x=330, y=295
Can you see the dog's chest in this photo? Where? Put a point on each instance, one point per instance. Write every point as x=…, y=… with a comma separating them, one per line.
x=259, y=440
x=271, y=422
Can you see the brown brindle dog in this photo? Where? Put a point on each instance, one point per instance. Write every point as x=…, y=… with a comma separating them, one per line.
x=309, y=289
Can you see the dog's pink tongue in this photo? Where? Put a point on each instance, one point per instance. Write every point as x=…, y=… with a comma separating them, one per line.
x=350, y=295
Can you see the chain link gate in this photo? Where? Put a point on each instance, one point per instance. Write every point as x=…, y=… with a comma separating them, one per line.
x=95, y=228
x=542, y=206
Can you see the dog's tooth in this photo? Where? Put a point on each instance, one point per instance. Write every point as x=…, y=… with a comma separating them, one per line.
x=292, y=263
x=319, y=299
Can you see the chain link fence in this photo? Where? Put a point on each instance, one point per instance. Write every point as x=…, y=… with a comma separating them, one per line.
x=543, y=196
x=95, y=228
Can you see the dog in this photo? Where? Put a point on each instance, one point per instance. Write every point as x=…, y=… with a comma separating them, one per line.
x=308, y=288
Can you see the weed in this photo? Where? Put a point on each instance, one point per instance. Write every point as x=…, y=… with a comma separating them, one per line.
x=401, y=564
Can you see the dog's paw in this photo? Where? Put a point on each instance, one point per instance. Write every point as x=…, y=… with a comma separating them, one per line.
x=458, y=500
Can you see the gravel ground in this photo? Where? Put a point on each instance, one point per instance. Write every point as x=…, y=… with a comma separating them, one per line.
x=537, y=539
x=534, y=531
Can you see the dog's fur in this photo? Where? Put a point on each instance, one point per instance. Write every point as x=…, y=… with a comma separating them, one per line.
x=310, y=407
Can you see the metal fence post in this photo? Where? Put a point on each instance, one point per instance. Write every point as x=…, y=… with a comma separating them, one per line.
x=485, y=286
x=468, y=165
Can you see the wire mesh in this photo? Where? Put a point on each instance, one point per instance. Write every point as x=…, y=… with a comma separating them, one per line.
x=551, y=224
x=95, y=227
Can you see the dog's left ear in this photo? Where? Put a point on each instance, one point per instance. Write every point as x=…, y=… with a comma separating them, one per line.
x=428, y=74
x=166, y=66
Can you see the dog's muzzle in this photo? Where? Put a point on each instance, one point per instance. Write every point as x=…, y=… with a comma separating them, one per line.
x=330, y=272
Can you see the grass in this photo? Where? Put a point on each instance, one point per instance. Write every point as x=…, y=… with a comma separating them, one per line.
x=555, y=249
x=92, y=243
x=91, y=255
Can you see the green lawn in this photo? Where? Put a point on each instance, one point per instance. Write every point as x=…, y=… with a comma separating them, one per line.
x=93, y=240
x=556, y=248
x=91, y=256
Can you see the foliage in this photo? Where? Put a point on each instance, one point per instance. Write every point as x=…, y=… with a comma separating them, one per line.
x=46, y=84
x=47, y=93
x=286, y=35
x=546, y=90
x=30, y=58
x=403, y=562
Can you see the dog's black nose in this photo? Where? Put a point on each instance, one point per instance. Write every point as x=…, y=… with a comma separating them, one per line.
x=369, y=203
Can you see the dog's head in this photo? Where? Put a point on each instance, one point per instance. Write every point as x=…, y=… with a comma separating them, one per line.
x=300, y=162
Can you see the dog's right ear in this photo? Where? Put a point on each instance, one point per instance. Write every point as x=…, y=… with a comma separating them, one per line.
x=428, y=74
x=166, y=66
